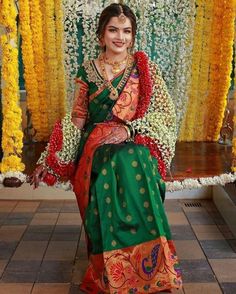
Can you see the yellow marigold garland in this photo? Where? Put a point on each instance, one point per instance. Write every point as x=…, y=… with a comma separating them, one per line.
x=221, y=57
x=186, y=132
x=49, y=32
x=60, y=57
x=233, y=168
x=12, y=134
x=38, y=50
x=203, y=83
x=31, y=83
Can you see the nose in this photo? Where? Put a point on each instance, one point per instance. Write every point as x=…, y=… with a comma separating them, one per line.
x=121, y=35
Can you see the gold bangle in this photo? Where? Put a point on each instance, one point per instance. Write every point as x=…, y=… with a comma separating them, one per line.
x=128, y=131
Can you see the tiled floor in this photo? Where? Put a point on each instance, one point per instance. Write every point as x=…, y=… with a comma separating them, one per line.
x=42, y=247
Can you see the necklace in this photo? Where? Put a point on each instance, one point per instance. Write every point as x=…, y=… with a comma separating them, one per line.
x=114, y=92
x=115, y=65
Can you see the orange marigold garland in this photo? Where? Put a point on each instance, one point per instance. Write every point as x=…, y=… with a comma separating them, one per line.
x=221, y=57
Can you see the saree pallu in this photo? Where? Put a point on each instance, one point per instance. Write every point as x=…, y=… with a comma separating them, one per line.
x=120, y=194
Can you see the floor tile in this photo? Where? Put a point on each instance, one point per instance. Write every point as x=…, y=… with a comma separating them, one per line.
x=57, y=265
x=18, y=218
x=172, y=205
x=19, y=277
x=224, y=269
x=69, y=219
x=232, y=243
x=196, y=271
x=7, y=206
x=177, y=218
x=26, y=206
x=229, y=288
x=189, y=249
x=226, y=231
x=12, y=233
x=30, y=250
x=61, y=250
x=66, y=233
x=70, y=206
x=79, y=271
x=74, y=289
x=44, y=288
x=217, y=249
x=23, y=265
x=50, y=206
x=207, y=232
x=196, y=288
x=3, y=264
x=14, y=288
x=199, y=218
x=7, y=249
x=44, y=219
x=180, y=232
x=54, y=277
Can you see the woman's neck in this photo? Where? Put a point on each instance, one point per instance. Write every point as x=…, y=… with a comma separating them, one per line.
x=115, y=57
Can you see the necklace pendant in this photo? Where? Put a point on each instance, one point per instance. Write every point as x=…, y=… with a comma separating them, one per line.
x=114, y=94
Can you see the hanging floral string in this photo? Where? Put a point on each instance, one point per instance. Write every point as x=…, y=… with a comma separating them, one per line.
x=37, y=42
x=233, y=168
x=12, y=134
x=51, y=61
x=221, y=57
x=189, y=121
x=31, y=83
x=60, y=57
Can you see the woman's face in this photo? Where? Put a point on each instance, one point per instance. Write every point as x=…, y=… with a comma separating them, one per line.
x=118, y=36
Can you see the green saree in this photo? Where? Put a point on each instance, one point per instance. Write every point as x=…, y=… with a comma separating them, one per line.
x=120, y=194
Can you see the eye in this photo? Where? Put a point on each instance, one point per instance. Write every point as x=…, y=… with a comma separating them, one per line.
x=127, y=32
x=112, y=30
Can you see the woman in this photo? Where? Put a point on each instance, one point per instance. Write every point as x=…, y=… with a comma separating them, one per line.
x=124, y=121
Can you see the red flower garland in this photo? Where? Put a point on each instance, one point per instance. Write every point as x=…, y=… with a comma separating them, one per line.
x=59, y=169
x=146, y=93
x=145, y=84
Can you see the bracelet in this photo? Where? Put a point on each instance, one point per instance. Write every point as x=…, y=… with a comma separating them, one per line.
x=128, y=131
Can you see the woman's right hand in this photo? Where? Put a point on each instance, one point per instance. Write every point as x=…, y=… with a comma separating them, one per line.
x=38, y=175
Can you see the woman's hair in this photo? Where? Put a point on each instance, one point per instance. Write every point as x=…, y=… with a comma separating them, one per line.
x=113, y=10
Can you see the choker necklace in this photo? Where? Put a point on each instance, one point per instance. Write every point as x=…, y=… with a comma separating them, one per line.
x=115, y=65
x=114, y=92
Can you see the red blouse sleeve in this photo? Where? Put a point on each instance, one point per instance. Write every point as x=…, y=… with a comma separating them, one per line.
x=80, y=104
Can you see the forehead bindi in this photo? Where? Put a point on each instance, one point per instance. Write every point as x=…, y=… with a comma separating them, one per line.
x=115, y=22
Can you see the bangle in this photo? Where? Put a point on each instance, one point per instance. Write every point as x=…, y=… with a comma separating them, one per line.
x=128, y=131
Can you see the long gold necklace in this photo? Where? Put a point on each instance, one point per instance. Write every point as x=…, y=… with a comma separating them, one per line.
x=115, y=65
x=114, y=92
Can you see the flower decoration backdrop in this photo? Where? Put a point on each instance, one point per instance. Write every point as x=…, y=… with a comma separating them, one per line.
x=190, y=40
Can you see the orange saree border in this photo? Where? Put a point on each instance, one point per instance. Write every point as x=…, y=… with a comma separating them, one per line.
x=149, y=267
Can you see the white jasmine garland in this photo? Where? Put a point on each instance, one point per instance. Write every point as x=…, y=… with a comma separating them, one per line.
x=71, y=139
x=165, y=33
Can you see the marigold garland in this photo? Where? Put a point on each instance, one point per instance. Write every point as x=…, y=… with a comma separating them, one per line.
x=31, y=83
x=51, y=64
x=221, y=57
x=38, y=50
x=12, y=134
x=187, y=130
x=60, y=57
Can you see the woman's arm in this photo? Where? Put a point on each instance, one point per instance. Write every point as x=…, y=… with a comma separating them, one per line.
x=57, y=161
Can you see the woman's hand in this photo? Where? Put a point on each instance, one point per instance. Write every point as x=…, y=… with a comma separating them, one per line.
x=38, y=175
x=118, y=133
